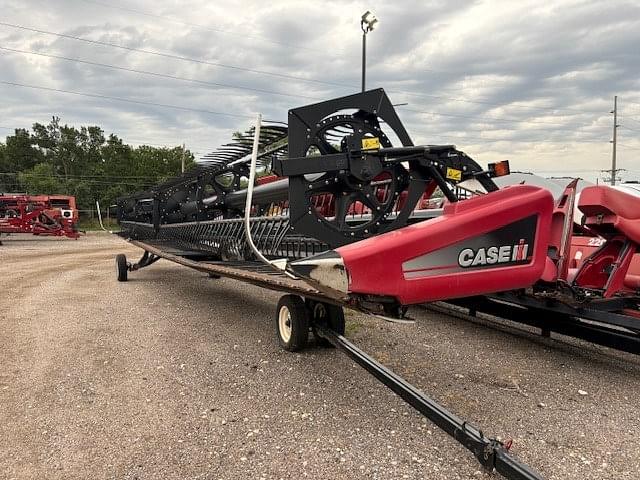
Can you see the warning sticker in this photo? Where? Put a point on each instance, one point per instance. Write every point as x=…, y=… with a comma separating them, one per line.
x=454, y=174
x=371, y=143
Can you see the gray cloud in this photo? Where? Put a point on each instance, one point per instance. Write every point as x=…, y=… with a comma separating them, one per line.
x=473, y=67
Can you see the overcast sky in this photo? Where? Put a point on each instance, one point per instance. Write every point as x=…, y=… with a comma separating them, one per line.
x=532, y=82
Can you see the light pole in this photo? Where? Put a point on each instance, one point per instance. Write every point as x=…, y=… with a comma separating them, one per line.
x=367, y=24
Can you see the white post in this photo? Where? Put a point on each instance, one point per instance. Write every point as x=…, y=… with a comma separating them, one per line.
x=184, y=151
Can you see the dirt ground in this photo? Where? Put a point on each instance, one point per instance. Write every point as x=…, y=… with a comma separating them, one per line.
x=173, y=375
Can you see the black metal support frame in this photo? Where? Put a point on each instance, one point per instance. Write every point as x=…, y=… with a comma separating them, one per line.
x=599, y=322
x=491, y=453
x=146, y=260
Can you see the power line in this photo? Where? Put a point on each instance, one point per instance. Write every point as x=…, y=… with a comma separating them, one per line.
x=173, y=56
x=155, y=74
x=177, y=107
x=177, y=145
x=247, y=116
x=202, y=82
x=219, y=113
x=628, y=146
x=625, y=118
x=81, y=177
x=570, y=170
x=204, y=27
x=441, y=135
x=126, y=100
x=265, y=39
x=511, y=140
x=629, y=128
x=493, y=119
x=511, y=105
x=281, y=75
x=243, y=35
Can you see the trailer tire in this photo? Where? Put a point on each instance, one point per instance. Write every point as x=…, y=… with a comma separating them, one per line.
x=292, y=323
x=328, y=315
x=121, y=267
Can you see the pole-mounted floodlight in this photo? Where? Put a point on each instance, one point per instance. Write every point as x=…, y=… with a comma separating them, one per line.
x=367, y=24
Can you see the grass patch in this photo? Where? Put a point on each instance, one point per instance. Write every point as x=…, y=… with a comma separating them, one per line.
x=93, y=224
x=351, y=327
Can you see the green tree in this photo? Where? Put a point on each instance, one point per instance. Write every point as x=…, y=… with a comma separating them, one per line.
x=19, y=152
x=62, y=159
x=41, y=179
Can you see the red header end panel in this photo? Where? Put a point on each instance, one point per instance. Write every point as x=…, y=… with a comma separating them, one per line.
x=489, y=243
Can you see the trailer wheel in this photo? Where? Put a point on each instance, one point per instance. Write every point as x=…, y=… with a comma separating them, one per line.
x=292, y=323
x=121, y=267
x=327, y=315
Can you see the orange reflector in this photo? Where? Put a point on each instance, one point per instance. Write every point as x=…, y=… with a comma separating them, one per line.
x=500, y=169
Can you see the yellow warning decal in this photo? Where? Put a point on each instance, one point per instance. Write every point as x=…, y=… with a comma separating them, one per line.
x=371, y=143
x=454, y=174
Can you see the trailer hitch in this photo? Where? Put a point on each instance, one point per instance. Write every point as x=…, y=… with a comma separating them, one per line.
x=492, y=454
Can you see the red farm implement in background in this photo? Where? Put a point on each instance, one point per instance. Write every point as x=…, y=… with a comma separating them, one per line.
x=51, y=215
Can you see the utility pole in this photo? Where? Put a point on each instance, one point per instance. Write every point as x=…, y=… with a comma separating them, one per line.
x=614, y=170
x=184, y=153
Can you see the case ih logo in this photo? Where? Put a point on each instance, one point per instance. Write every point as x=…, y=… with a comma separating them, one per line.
x=510, y=245
x=492, y=255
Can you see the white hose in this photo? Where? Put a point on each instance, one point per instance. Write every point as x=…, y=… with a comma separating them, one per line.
x=249, y=200
x=100, y=217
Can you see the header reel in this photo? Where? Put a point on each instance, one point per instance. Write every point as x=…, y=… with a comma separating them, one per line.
x=348, y=170
x=348, y=182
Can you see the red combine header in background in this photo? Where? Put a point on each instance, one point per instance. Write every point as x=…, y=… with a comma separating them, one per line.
x=54, y=215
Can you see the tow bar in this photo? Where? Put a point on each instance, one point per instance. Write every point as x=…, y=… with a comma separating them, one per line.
x=492, y=454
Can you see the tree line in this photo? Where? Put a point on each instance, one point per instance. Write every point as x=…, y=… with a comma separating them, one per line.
x=62, y=159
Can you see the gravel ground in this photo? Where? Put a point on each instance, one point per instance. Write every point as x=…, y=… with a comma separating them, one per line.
x=173, y=375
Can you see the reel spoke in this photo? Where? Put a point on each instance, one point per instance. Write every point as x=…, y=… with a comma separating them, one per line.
x=343, y=202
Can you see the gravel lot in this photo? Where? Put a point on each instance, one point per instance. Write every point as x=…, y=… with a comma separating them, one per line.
x=173, y=375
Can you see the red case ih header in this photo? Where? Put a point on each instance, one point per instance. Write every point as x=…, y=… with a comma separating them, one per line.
x=347, y=221
x=349, y=212
x=50, y=215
